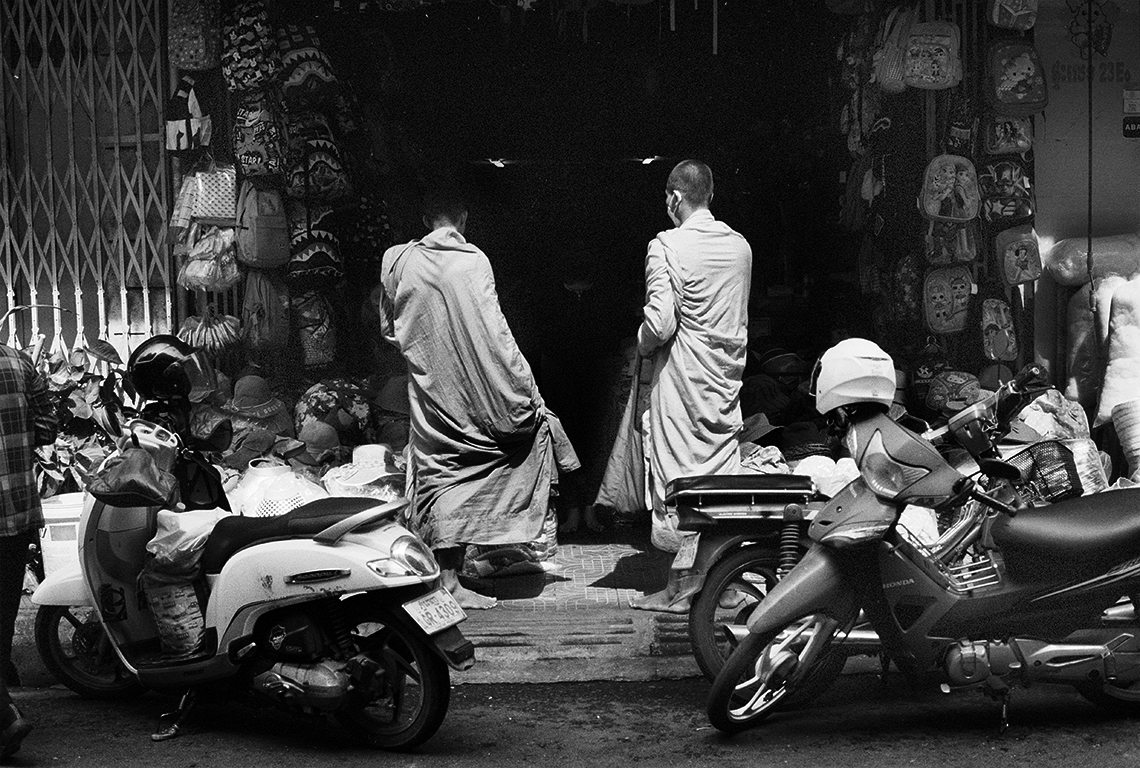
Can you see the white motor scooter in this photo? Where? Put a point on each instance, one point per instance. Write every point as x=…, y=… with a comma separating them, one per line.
x=333, y=608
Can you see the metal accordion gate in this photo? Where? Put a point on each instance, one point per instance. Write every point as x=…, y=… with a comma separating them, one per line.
x=84, y=182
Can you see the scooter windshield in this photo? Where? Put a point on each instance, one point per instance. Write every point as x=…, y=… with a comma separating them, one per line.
x=899, y=466
x=855, y=515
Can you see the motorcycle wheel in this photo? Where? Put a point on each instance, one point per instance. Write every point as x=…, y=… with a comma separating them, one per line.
x=775, y=671
x=1113, y=697
x=731, y=592
x=76, y=650
x=403, y=704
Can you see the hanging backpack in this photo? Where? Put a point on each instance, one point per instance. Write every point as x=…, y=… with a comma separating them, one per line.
x=250, y=58
x=195, y=37
x=1018, y=255
x=187, y=127
x=316, y=171
x=307, y=78
x=314, y=248
x=259, y=141
x=999, y=340
x=949, y=243
x=949, y=190
x=890, y=57
x=962, y=126
x=366, y=232
x=1014, y=79
x=946, y=293
x=1008, y=134
x=1013, y=14
x=933, y=61
x=265, y=313
x=312, y=316
x=263, y=234
x=1007, y=193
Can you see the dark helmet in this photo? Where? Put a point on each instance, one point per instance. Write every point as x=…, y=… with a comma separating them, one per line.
x=166, y=368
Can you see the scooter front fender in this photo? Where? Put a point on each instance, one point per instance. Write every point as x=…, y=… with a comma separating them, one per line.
x=816, y=584
x=64, y=587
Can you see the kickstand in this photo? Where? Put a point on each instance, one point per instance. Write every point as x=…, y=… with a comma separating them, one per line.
x=171, y=724
x=998, y=689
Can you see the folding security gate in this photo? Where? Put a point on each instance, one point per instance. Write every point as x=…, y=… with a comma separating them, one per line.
x=84, y=184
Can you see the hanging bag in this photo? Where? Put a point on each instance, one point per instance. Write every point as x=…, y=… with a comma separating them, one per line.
x=946, y=293
x=195, y=37
x=949, y=190
x=314, y=248
x=933, y=61
x=259, y=136
x=262, y=232
x=312, y=315
x=215, y=196
x=210, y=265
x=1007, y=192
x=890, y=58
x=1018, y=255
x=950, y=243
x=999, y=340
x=307, y=78
x=1014, y=78
x=1013, y=14
x=250, y=58
x=187, y=127
x=316, y=171
x=1008, y=134
x=265, y=313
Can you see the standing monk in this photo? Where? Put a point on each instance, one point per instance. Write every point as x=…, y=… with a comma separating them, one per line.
x=26, y=420
x=483, y=442
x=694, y=334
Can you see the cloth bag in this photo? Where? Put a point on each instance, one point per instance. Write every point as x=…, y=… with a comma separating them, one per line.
x=215, y=199
x=623, y=482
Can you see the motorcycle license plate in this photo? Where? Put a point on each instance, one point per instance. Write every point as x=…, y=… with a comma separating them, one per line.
x=435, y=611
x=687, y=554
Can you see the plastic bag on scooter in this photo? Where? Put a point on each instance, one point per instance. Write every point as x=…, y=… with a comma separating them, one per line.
x=177, y=546
x=176, y=606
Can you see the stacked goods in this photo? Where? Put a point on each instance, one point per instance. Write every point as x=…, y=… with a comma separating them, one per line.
x=218, y=335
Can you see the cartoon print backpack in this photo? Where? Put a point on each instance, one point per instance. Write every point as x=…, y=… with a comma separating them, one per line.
x=314, y=247
x=933, y=61
x=1018, y=255
x=262, y=232
x=1015, y=80
x=1008, y=134
x=962, y=127
x=1007, y=192
x=950, y=243
x=999, y=341
x=250, y=58
x=316, y=171
x=1013, y=14
x=307, y=74
x=195, y=36
x=946, y=293
x=890, y=57
x=259, y=140
x=949, y=190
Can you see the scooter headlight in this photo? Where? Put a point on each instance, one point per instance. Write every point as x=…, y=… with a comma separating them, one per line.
x=885, y=476
x=408, y=557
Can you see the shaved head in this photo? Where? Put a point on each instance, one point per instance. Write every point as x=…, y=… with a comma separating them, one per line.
x=693, y=179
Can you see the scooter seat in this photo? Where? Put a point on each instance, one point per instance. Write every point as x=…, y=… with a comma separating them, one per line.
x=1076, y=535
x=235, y=533
x=798, y=484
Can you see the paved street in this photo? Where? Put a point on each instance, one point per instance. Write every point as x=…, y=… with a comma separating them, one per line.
x=862, y=722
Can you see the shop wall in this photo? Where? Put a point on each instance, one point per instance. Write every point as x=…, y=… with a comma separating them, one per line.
x=1062, y=142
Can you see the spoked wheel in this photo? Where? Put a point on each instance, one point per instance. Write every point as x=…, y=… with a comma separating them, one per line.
x=732, y=590
x=76, y=650
x=773, y=671
x=400, y=697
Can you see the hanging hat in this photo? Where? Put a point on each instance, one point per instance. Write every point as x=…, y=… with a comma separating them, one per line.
x=369, y=464
x=254, y=399
x=321, y=443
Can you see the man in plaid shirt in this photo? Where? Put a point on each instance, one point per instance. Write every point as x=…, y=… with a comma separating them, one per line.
x=26, y=420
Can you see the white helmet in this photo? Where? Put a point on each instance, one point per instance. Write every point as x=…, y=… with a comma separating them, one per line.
x=853, y=371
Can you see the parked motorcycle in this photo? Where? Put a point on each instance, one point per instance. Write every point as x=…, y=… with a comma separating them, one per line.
x=1035, y=599
x=333, y=608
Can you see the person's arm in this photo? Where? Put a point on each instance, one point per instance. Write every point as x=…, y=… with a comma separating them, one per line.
x=659, y=319
x=44, y=423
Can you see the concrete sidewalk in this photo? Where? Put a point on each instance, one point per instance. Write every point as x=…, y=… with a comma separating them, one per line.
x=572, y=623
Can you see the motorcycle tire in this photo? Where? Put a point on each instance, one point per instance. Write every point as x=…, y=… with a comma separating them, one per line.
x=775, y=671
x=406, y=699
x=731, y=592
x=1112, y=697
x=76, y=650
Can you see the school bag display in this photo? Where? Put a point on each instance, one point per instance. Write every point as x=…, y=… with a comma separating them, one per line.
x=1014, y=80
x=950, y=243
x=1008, y=134
x=250, y=58
x=312, y=316
x=1013, y=14
x=1007, y=192
x=265, y=312
x=259, y=140
x=890, y=58
x=262, y=232
x=316, y=171
x=314, y=248
x=946, y=294
x=949, y=190
x=933, y=61
x=195, y=36
x=307, y=78
x=999, y=341
x=1018, y=255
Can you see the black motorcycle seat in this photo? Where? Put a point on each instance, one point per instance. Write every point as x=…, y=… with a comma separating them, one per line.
x=738, y=483
x=235, y=533
x=1095, y=531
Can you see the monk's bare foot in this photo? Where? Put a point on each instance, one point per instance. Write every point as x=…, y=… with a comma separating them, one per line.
x=573, y=520
x=660, y=601
x=592, y=521
x=472, y=601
